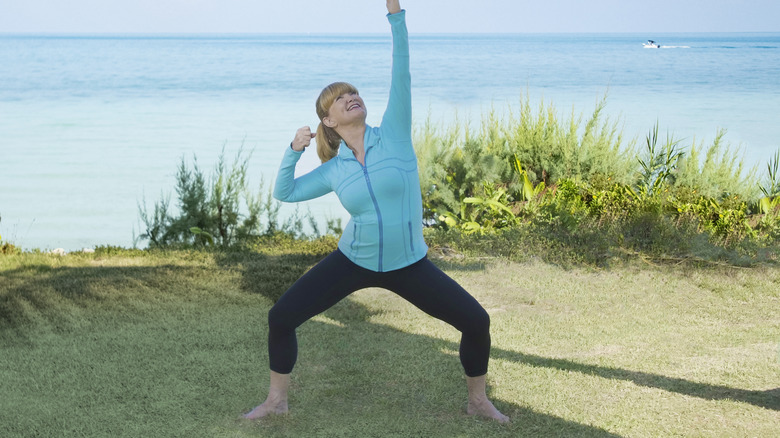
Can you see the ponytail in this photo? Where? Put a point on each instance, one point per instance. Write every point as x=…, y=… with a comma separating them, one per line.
x=328, y=142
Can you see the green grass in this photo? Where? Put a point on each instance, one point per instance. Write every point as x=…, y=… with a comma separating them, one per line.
x=153, y=343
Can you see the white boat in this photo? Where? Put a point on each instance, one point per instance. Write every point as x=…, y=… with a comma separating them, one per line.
x=650, y=44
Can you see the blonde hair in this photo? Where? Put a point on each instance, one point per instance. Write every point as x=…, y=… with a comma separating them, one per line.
x=328, y=140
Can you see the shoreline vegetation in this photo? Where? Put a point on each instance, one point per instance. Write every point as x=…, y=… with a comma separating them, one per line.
x=526, y=181
x=632, y=288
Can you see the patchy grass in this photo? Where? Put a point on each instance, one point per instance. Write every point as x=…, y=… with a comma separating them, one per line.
x=153, y=343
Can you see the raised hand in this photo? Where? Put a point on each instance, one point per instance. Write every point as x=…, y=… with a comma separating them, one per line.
x=302, y=138
x=393, y=6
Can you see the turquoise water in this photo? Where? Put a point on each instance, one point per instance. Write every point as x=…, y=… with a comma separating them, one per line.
x=90, y=126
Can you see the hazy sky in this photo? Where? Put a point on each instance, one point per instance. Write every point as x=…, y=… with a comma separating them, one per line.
x=366, y=16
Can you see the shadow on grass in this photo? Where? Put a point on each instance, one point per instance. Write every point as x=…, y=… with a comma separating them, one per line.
x=271, y=275
x=352, y=311
x=41, y=292
x=59, y=297
x=769, y=399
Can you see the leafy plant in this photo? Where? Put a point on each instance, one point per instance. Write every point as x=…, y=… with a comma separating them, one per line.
x=657, y=163
x=206, y=235
x=9, y=248
x=769, y=204
x=729, y=224
x=157, y=222
x=771, y=188
x=220, y=210
x=488, y=212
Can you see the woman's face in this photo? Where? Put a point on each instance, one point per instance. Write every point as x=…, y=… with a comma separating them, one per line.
x=347, y=109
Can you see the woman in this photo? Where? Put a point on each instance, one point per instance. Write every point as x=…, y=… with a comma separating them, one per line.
x=374, y=173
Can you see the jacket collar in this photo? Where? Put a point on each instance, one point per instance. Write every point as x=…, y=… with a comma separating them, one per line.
x=370, y=139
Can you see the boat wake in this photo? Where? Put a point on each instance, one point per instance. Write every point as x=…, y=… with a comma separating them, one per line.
x=650, y=44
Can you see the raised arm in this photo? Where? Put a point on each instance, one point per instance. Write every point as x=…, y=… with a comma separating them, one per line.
x=397, y=120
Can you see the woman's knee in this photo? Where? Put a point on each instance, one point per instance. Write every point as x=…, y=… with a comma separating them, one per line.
x=477, y=323
x=481, y=320
x=279, y=320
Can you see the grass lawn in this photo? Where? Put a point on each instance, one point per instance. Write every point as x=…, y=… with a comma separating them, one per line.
x=167, y=344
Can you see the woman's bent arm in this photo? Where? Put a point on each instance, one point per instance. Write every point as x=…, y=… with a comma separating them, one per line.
x=291, y=189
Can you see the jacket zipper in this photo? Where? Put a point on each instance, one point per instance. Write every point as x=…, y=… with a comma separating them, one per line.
x=376, y=207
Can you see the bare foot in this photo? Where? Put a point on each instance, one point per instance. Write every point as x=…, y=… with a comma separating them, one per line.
x=269, y=407
x=276, y=401
x=484, y=408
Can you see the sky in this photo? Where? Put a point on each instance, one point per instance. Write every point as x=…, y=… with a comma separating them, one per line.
x=366, y=16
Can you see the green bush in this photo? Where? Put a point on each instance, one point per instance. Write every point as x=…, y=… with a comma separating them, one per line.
x=720, y=174
x=221, y=210
x=9, y=248
x=576, y=182
x=551, y=148
x=458, y=163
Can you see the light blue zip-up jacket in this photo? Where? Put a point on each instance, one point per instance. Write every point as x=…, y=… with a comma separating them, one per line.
x=383, y=197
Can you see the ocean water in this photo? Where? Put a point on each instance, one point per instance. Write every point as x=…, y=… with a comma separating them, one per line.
x=93, y=126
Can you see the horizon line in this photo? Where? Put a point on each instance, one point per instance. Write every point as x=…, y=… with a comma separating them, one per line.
x=213, y=33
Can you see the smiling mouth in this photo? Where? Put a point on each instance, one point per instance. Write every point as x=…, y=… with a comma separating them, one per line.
x=353, y=106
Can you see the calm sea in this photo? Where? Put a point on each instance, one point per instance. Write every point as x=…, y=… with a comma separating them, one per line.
x=90, y=126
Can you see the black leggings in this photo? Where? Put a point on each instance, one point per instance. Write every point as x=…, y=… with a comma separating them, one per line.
x=422, y=284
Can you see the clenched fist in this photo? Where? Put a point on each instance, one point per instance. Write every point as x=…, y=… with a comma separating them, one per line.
x=302, y=138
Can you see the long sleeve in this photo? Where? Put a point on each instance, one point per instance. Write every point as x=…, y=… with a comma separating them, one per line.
x=291, y=189
x=397, y=120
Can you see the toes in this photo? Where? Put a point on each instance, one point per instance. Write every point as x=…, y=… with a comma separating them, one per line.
x=487, y=411
x=258, y=412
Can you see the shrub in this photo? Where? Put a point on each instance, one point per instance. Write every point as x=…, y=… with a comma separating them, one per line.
x=720, y=174
x=9, y=248
x=579, y=182
x=220, y=210
x=478, y=181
